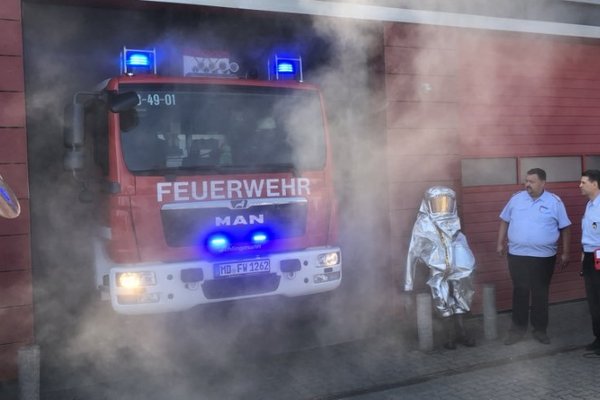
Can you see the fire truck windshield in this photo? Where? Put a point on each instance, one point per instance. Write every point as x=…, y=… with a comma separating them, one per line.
x=178, y=128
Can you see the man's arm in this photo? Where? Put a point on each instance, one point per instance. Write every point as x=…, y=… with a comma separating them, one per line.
x=565, y=234
x=501, y=237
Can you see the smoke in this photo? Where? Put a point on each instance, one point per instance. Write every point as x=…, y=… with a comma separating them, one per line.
x=351, y=82
x=390, y=93
x=85, y=342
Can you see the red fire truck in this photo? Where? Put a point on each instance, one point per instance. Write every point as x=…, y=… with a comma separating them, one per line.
x=216, y=187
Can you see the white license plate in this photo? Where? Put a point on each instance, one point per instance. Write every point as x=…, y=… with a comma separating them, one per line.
x=245, y=267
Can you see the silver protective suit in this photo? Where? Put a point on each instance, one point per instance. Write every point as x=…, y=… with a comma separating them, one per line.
x=438, y=243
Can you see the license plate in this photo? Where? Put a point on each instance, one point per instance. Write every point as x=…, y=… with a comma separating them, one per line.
x=237, y=268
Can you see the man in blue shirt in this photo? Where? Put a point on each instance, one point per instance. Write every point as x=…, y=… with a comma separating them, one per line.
x=534, y=220
x=590, y=241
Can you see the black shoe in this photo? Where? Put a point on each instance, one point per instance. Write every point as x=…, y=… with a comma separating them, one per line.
x=513, y=338
x=466, y=340
x=450, y=345
x=450, y=328
x=595, y=345
x=464, y=337
x=541, y=337
x=469, y=341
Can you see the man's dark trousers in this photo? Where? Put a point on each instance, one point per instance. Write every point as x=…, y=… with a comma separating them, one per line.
x=530, y=276
x=591, y=277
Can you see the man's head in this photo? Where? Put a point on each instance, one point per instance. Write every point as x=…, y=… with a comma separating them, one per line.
x=535, y=181
x=589, y=183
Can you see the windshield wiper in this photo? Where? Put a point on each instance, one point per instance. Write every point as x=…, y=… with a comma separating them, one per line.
x=279, y=167
x=186, y=170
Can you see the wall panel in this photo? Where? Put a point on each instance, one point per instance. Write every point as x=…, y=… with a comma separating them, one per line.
x=13, y=145
x=16, y=302
x=11, y=43
x=498, y=94
x=14, y=253
x=12, y=77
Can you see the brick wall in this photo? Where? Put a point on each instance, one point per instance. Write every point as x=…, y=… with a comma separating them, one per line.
x=16, y=309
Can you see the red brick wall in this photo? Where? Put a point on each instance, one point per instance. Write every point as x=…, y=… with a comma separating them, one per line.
x=456, y=94
x=16, y=309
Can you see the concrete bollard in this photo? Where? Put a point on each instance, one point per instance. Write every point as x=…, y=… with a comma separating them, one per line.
x=490, y=315
x=28, y=361
x=424, y=322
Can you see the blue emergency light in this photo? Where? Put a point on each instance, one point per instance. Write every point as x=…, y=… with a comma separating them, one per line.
x=138, y=61
x=259, y=237
x=217, y=243
x=285, y=68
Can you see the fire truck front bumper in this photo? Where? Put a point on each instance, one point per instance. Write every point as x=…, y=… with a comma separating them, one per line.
x=170, y=287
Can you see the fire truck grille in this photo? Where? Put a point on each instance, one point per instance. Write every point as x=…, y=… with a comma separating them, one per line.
x=190, y=224
x=242, y=286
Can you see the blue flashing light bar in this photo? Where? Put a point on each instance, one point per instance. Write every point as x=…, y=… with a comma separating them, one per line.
x=138, y=61
x=285, y=68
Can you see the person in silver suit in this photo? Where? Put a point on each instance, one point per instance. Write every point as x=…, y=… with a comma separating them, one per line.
x=438, y=243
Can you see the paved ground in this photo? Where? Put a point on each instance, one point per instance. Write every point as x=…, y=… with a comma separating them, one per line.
x=563, y=375
x=383, y=367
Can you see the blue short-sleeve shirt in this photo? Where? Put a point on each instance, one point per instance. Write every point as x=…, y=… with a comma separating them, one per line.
x=590, y=226
x=534, y=224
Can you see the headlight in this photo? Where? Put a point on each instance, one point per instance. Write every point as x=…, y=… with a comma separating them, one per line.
x=134, y=280
x=329, y=259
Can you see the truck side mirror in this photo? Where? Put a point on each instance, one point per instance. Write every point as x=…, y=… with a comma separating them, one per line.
x=121, y=102
x=74, y=125
x=73, y=159
x=74, y=136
